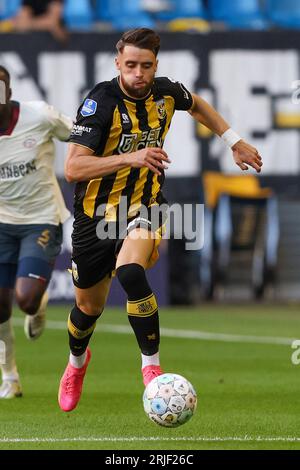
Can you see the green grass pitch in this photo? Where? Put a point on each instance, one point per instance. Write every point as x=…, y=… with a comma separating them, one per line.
x=248, y=389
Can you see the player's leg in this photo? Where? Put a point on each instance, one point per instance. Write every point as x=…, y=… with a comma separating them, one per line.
x=32, y=299
x=40, y=244
x=9, y=249
x=10, y=386
x=142, y=308
x=82, y=320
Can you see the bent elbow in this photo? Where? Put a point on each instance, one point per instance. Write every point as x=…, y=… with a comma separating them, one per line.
x=69, y=174
x=69, y=178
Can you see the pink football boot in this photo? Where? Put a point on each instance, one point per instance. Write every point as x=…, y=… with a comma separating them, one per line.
x=71, y=385
x=150, y=372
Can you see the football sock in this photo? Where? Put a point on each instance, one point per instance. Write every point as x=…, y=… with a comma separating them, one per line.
x=9, y=368
x=80, y=329
x=141, y=307
x=77, y=361
x=150, y=360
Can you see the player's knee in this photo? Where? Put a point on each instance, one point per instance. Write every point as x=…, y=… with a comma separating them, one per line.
x=28, y=302
x=5, y=310
x=89, y=308
x=130, y=275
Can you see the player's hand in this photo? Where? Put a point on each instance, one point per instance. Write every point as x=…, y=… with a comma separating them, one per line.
x=244, y=154
x=153, y=158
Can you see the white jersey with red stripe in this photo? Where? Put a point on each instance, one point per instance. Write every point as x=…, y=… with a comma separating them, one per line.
x=29, y=191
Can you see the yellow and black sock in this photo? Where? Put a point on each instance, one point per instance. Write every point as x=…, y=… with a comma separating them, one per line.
x=80, y=329
x=142, y=307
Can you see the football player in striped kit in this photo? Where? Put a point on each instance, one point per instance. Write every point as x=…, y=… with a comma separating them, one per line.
x=116, y=155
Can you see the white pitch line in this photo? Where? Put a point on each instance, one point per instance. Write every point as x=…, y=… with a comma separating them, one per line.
x=176, y=333
x=156, y=439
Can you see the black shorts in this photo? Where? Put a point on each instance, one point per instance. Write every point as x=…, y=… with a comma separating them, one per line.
x=96, y=243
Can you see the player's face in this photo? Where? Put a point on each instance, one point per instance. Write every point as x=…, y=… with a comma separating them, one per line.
x=137, y=70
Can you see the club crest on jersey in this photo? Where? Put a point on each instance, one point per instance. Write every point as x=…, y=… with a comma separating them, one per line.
x=161, y=109
x=89, y=107
x=29, y=143
x=75, y=271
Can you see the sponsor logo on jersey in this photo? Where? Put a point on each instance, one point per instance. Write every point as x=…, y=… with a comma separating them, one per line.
x=138, y=141
x=125, y=118
x=89, y=107
x=16, y=171
x=79, y=130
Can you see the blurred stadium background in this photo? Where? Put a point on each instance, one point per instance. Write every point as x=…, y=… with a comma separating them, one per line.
x=243, y=56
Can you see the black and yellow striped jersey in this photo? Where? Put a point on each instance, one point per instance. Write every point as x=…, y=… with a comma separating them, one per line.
x=111, y=123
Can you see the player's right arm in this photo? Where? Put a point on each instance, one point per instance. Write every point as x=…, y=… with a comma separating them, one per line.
x=83, y=165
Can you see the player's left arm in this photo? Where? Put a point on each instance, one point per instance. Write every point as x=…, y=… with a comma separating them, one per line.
x=244, y=154
x=60, y=123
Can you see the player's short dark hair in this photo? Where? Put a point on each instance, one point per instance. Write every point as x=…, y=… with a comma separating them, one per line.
x=5, y=72
x=143, y=38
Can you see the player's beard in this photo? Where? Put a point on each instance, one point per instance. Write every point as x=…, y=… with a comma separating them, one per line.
x=137, y=92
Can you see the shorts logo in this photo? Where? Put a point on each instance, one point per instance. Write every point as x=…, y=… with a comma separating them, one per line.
x=44, y=238
x=137, y=221
x=75, y=271
x=89, y=108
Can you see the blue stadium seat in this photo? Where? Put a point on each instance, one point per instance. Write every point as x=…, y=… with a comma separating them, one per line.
x=130, y=14
x=9, y=8
x=284, y=13
x=183, y=9
x=107, y=10
x=245, y=14
x=78, y=15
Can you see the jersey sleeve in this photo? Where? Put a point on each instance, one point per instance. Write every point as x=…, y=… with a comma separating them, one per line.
x=183, y=98
x=91, y=121
x=61, y=125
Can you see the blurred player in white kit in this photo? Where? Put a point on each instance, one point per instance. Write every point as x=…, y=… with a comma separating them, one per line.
x=32, y=211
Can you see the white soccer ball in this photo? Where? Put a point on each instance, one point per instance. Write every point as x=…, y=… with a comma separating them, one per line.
x=170, y=400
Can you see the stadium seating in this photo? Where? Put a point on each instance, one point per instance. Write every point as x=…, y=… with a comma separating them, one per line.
x=245, y=14
x=78, y=15
x=183, y=9
x=131, y=14
x=284, y=13
x=241, y=233
x=9, y=8
x=106, y=10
